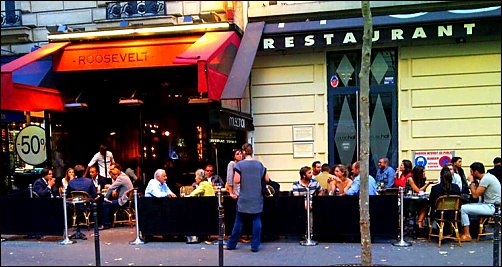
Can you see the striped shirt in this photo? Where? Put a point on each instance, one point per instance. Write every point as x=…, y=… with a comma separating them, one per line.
x=299, y=188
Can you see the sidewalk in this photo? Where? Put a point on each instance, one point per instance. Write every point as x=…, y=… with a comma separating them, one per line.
x=116, y=251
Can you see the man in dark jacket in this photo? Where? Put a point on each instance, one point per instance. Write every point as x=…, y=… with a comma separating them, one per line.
x=497, y=168
x=81, y=183
x=45, y=186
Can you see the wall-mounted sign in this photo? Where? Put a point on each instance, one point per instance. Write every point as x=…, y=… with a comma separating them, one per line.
x=433, y=160
x=303, y=133
x=303, y=150
x=233, y=121
x=30, y=145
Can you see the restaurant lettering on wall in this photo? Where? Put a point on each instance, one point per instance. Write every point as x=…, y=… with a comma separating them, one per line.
x=326, y=38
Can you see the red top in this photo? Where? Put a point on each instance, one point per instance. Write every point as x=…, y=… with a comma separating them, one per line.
x=401, y=182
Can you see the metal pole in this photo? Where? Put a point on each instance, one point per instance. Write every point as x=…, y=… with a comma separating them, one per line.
x=308, y=241
x=357, y=125
x=96, y=234
x=138, y=240
x=216, y=155
x=30, y=187
x=402, y=243
x=221, y=229
x=496, y=236
x=66, y=240
x=141, y=151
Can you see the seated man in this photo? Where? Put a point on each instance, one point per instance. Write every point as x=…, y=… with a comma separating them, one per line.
x=324, y=178
x=45, y=185
x=81, y=183
x=354, y=188
x=157, y=187
x=101, y=183
x=489, y=188
x=309, y=185
x=121, y=184
x=385, y=173
x=497, y=168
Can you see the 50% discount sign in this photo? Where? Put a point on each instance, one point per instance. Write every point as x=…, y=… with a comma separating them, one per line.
x=30, y=145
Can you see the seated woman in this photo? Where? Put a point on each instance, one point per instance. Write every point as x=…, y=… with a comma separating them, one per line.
x=70, y=174
x=204, y=187
x=445, y=188
x=341, y=183
x=418, y=184
x=403, y=173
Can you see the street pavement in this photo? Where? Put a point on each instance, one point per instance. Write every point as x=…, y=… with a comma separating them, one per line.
x=115, y=250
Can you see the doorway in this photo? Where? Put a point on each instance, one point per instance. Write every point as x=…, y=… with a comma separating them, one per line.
x=344, y=125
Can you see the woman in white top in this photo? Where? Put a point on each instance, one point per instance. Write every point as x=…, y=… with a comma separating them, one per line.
x=233, y=189
x=70, y=174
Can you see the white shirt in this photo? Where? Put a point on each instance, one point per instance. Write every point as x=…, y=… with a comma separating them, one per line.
x=99, y=158
x=156, y=189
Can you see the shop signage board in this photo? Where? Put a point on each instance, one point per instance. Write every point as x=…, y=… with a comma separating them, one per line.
x=433, y=160
x=232, y=121
x=31, y=145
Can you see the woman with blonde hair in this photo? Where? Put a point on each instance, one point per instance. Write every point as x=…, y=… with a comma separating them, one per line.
x=70, y=174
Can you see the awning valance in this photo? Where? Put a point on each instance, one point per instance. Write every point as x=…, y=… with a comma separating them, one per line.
x=212, y=52
x=122, y=54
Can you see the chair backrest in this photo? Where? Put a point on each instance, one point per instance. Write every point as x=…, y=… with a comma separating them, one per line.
x=80, y=195
x=130, y=194
x=448, y=203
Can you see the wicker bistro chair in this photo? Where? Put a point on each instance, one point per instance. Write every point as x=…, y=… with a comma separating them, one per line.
x=445, y=205
x=82, y=202
x=127, y=211
x=484, y=222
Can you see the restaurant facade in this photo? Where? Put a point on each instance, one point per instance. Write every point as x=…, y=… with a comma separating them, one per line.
x=434, y=90
x=151, y=93
x=176, y=88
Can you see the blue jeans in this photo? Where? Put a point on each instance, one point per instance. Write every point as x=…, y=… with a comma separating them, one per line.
x=108, y=211
x=236, y=232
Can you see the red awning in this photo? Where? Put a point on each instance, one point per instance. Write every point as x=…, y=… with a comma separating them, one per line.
x=22, y=97
x=214, y=55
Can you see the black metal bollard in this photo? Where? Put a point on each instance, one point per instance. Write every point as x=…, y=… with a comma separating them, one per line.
x=221, y=228
x=496, y=236
x=96, y=234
